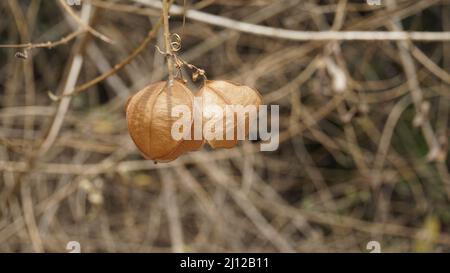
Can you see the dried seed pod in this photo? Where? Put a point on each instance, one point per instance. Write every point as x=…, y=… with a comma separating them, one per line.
x=223, y=94
x=150, y=122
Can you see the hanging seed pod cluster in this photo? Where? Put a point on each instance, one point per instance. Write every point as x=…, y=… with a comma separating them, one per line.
x=149, y=112
x=150, y=121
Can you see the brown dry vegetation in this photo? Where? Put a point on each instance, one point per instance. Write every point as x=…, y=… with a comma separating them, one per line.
x=363, y=129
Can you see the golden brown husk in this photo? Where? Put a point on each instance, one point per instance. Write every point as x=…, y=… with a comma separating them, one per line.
x=150, y=122
x=224, y=93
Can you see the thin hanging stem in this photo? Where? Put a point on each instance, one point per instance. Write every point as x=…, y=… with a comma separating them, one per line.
x=167, y=42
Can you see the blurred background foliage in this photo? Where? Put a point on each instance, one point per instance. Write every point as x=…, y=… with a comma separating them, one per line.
x=363, y=131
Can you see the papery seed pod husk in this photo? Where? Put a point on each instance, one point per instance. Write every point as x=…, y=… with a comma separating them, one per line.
x=149, y=121
x=223, y=93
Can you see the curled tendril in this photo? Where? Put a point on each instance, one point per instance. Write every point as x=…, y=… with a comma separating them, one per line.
x=175, y=43
x=175, y=46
